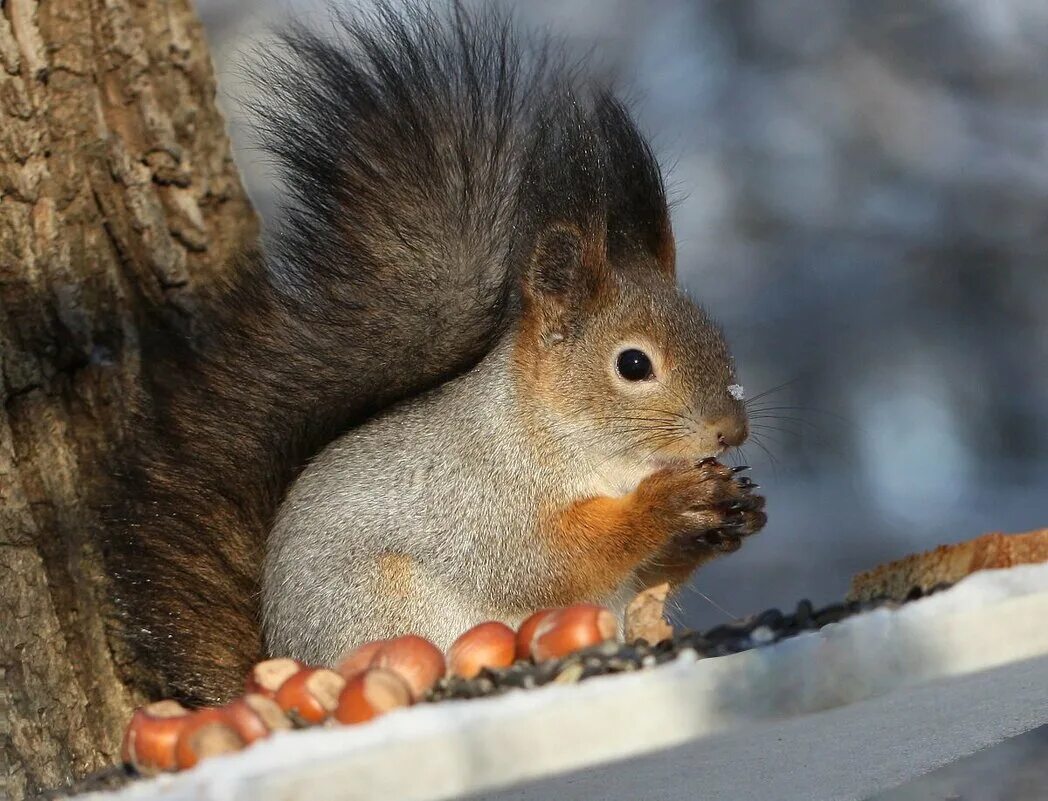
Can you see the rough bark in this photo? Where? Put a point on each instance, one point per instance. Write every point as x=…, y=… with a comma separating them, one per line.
x=119, y=203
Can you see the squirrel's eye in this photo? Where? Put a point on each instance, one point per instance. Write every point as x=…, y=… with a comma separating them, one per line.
x=634, y=365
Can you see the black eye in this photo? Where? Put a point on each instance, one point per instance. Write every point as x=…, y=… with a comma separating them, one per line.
x=634, y=365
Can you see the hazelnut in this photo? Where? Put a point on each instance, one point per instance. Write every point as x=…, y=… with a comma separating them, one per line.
x=570, y=629
x=266, y=677
x=526, y=632
x=359, y=659
x=255, y=716
x=370, y=693
x=488, y=645
x=151, y=735
x=206, y=733
x=418, y=661
x=311, y=695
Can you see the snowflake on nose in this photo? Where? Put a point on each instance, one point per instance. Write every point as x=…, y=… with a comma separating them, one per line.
x=736, y=391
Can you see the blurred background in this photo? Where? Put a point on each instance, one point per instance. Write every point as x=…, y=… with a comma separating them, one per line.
x=862, y=201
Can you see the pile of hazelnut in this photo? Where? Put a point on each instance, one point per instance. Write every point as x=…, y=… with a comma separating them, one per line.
x=372, y=680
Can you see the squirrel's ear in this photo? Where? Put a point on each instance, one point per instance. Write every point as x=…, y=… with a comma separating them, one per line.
x=565, y=235
x=563, y=274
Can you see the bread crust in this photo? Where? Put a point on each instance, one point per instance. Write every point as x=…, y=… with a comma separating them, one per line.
x=949, y=563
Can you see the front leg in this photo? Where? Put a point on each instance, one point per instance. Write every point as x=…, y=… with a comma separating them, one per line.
x=731, y=513
x=599, y=543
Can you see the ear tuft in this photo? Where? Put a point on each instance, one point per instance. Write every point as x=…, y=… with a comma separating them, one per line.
x=638, y=216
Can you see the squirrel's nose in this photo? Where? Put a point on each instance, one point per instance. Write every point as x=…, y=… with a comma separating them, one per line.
x=731, y=431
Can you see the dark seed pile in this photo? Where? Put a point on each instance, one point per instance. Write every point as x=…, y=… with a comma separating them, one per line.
x=615, y=657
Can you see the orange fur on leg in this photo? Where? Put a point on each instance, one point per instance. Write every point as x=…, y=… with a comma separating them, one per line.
x=600, y=541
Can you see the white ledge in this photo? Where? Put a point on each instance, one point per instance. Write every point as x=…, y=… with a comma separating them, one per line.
x=854, y=708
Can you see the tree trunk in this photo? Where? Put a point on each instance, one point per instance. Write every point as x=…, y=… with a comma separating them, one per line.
x=119, y=204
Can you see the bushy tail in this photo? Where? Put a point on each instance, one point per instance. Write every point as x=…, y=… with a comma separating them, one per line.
x=399, y=142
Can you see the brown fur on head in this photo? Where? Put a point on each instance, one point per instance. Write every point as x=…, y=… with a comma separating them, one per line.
x=598, y=286
x=586, y=340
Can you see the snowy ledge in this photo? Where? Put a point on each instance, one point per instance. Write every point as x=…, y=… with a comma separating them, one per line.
x=856, y=707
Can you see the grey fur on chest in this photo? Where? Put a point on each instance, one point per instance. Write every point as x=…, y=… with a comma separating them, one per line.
x=394, y=489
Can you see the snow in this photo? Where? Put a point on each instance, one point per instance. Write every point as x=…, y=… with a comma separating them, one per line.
x=856, y=707
x=736, y=391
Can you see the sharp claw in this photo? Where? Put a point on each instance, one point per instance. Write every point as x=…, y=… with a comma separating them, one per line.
x=746, y=482
x=741, y=468
x=748, y=504
x=707, y=460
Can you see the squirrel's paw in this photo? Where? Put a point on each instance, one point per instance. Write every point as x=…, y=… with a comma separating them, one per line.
x=736, y=512
x=709, y=507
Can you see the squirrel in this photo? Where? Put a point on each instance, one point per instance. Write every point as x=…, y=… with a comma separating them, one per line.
x=459, y=384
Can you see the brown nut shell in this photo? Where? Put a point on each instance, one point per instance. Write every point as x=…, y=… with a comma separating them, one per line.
x=572, y=628
x=311, y=695
x=207, y=733
x=526, y=631
x=371, y=693
x=151, y=736
x=359, y=659
x=255, y=716
x=418, y=661
x=487, y=645
x=266, y=677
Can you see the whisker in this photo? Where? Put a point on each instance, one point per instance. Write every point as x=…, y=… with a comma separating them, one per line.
x=713, y=603
x=786, y=419
x=686, y=402
x=772, y=438
x=648, y=420
x=771, y=456
x=768, y=392
x=742, y=455
x=630, y=429
x=765, y=427
x=839, y=417
x=661, y=439
x=678, y=415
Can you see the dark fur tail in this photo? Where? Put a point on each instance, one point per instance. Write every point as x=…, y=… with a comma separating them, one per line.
x=400, y=143
x=422, y=153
